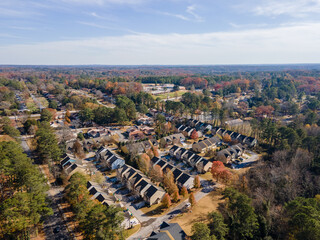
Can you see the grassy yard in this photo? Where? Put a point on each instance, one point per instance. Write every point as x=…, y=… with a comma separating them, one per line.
x=158, y=210
x=31, y=105
x=170, y=95
x=199, y=212
x=206, y=176
x=131, y=231
x=43, y=102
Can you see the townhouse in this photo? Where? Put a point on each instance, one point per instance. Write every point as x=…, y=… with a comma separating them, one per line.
x=109, y=159
x=231, y=153
x=182, y=179
x=172, y=140
x=71, y=165
x=140, y=185
x=249, y=141
x=206, y=144
x=190, y=158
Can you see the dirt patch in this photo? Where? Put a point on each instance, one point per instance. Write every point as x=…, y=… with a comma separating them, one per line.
x=199, y=212
x=147, y=223
x=32, y=143
x=6, y=138
x=46, y=170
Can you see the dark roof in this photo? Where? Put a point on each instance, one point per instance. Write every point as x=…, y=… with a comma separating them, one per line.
x=67, y=164
x=183, y=178
x=174, y=148
x=130, y=172
x=161, y=163
x=141, y=185
x=195, y=158
x=124, y=168
x=150, y=191
x=176, y=173
x=89, y=184
x=229, y=132
x=136, y=178
x=93, y=191
x=101, y=148
x=159, y=236
x=108, y=153
x=188, y=154
x=112, y=160
x=183, y=150
x=100, y=198
x=73, y=167
x=173, y=229
x=65, y=160
x=154, y=159
x=168, y=167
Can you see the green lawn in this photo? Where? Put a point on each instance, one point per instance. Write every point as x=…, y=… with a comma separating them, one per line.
x=170, y=94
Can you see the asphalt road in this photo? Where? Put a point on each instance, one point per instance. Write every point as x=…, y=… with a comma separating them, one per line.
x=152, y=224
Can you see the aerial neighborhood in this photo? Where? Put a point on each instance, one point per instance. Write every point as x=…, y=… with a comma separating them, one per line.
x=168, y=155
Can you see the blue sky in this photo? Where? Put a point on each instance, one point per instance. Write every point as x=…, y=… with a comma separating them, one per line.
x=121, y=32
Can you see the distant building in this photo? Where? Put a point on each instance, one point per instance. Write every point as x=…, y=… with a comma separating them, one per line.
x=172, y=140
x=206, y=144
x=234, y=122
x=249, y=141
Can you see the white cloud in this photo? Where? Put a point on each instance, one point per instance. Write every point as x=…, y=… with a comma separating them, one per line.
x=295, y=8
x=190, y=15
x=102, y=2
x=288, y=44
x=191, y=10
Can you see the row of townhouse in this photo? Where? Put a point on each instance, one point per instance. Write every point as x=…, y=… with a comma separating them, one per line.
x=139, y=147
x=198, y=125
x=109, y=159
x=71, y=165
x=187, y=131
x=87, y=144
x=172, y=139
x=99, y=194
x=181, y=178
x=140, y=185
x=194, y=160
x=106, y=198
x=231, y=153
x=206, y=144
x=249, y=141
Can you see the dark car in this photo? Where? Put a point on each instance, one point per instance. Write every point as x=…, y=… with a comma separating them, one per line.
x=56, y=229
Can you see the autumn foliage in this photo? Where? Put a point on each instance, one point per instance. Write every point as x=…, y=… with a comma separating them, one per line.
x=184, y=191
x=176, y=196
x=197, y=183
x=194, y=135
x=166, y=201
x=219, y=172
x=192, y=199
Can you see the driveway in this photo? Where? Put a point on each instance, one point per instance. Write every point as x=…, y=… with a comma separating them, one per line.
x=153, y=223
